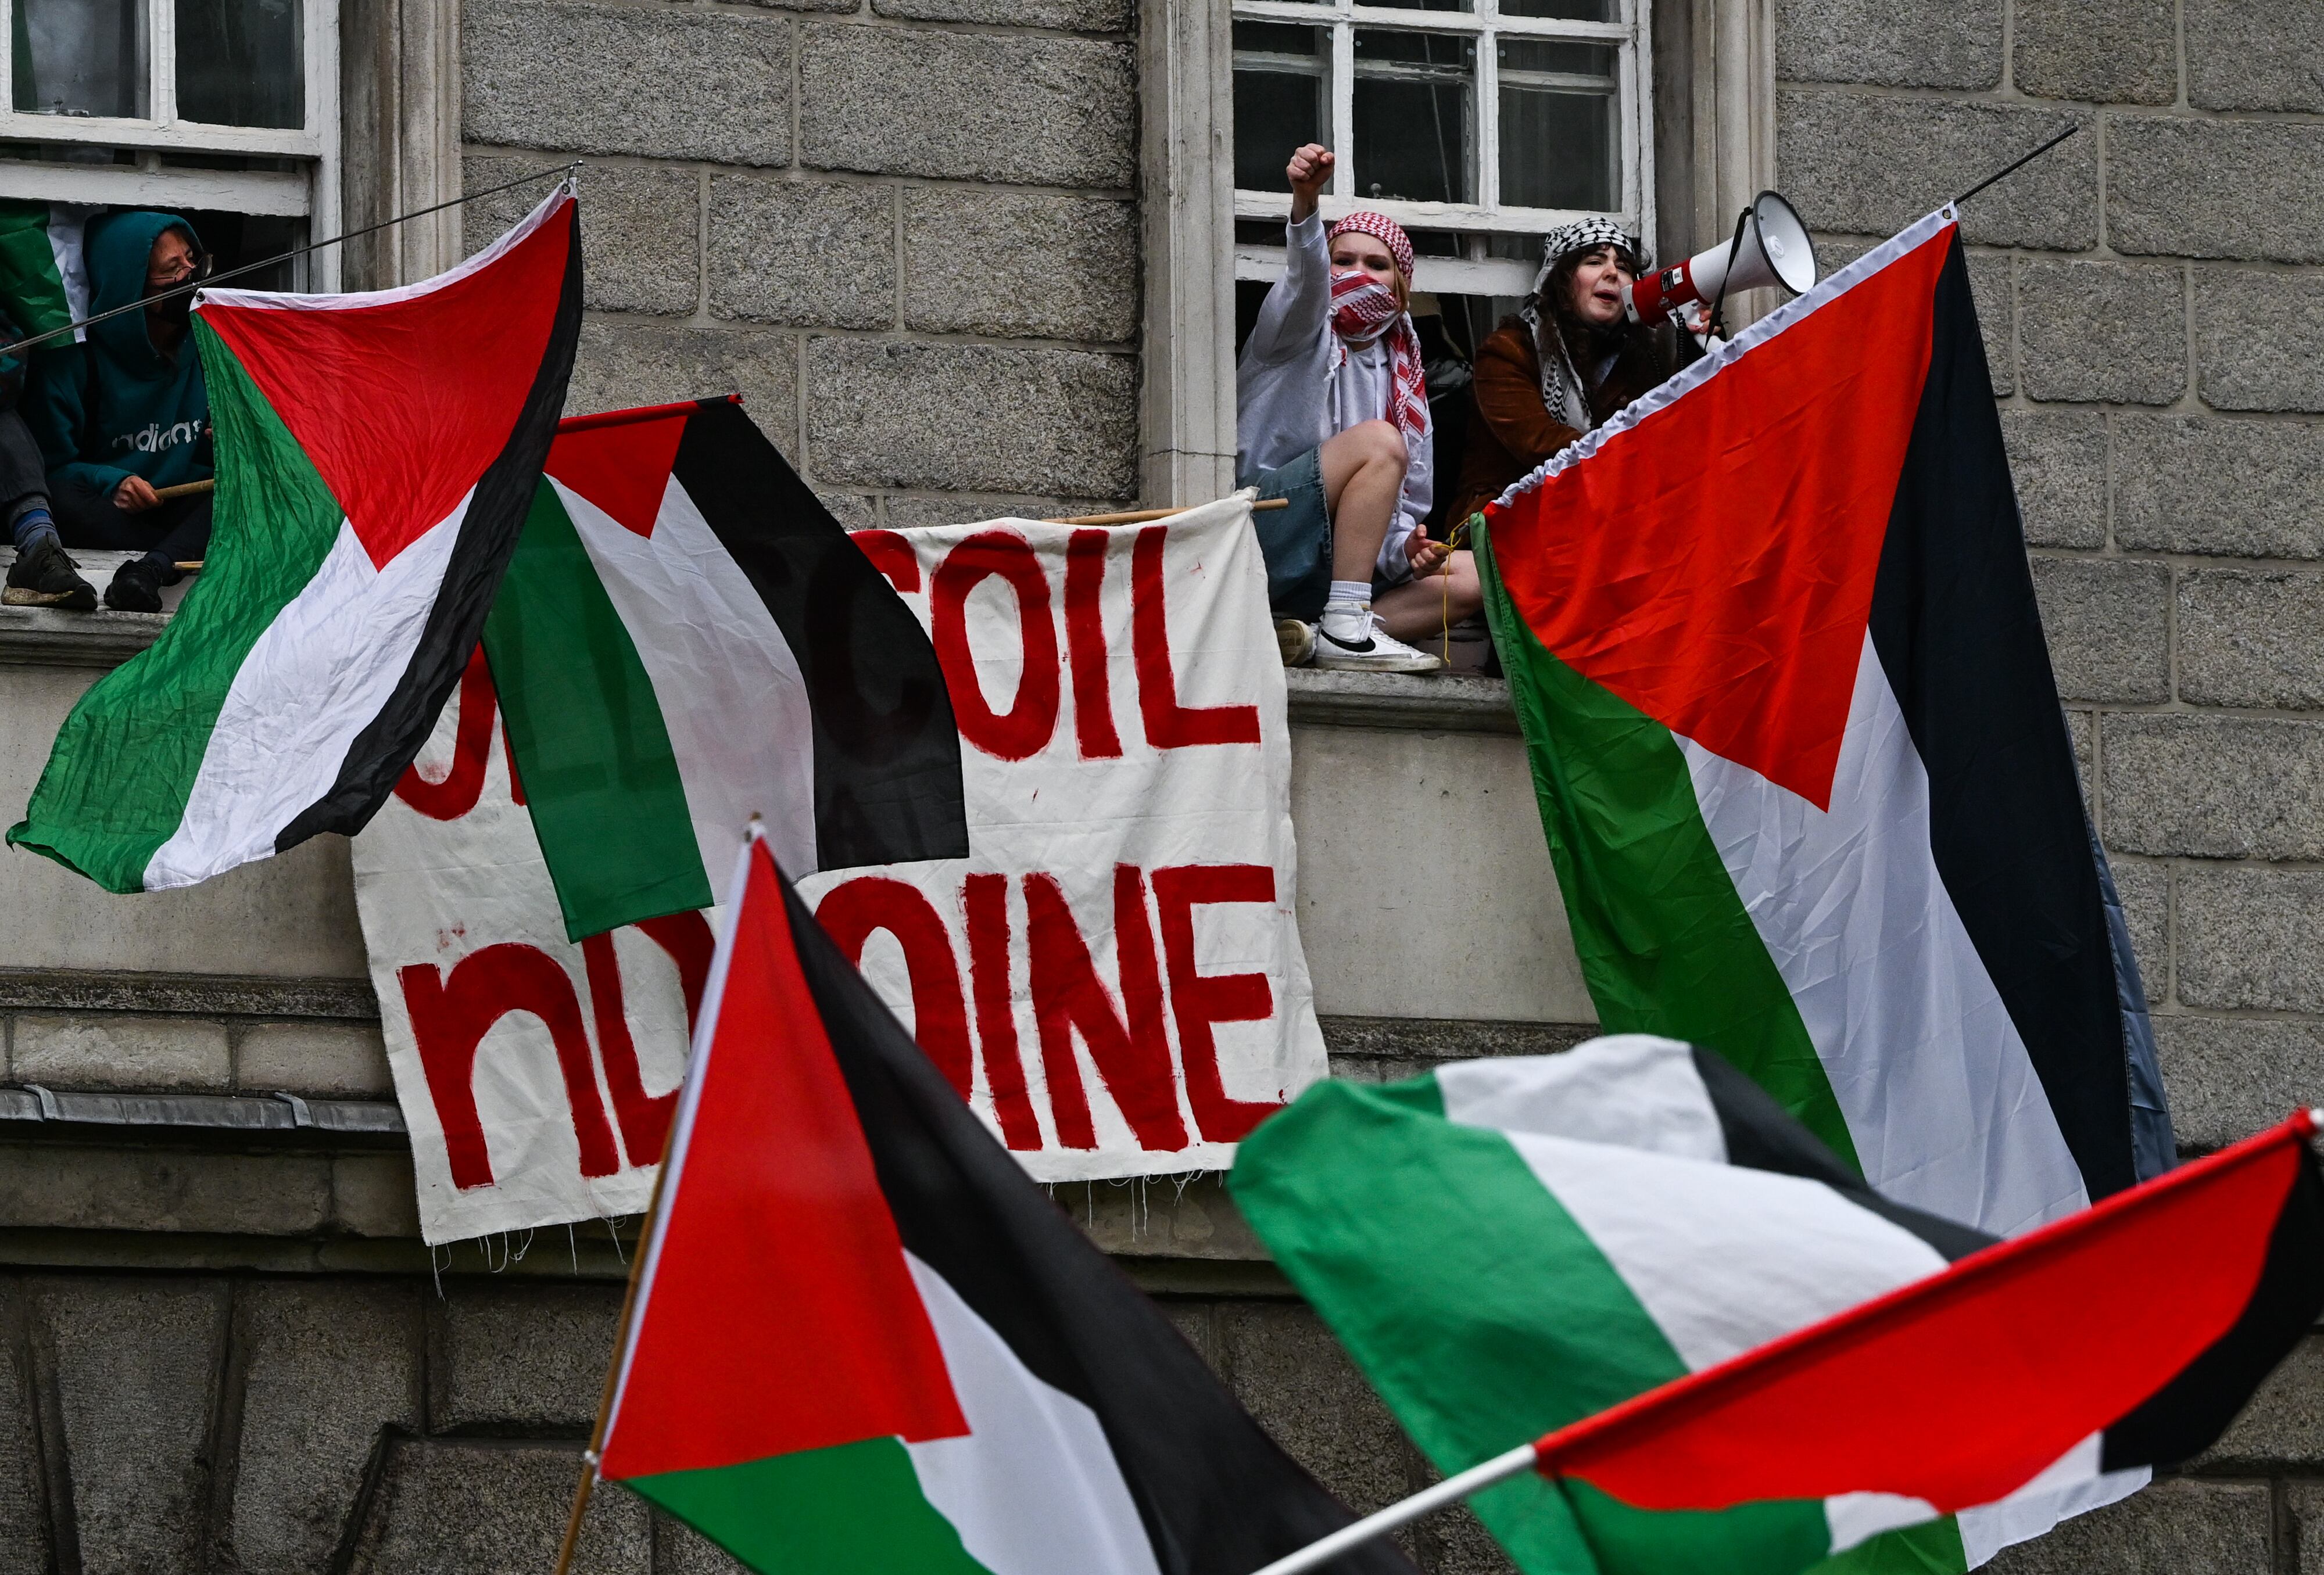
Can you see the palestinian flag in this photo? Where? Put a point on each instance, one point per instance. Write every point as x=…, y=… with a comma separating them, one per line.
x=377, y=455
x=1759, y=1363
x=686, y=638
x=864, y=1343
x=1771, y=638
x=43, y=276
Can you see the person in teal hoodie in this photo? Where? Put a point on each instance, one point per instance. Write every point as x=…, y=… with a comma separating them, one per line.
x=124, y=413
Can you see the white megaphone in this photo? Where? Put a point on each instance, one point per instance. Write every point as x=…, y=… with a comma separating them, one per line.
x=1771, y=247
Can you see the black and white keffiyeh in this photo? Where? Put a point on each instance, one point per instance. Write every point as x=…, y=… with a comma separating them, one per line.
x=1562, y=393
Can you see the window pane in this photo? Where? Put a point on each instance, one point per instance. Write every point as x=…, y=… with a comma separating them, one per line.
x=1558, y=146
x=1415, y=116
x=1565, y=10
x=239, y=63
x=1280, y=75
x=80, y=57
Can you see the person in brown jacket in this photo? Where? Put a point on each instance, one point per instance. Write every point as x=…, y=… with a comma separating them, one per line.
x=1563, y=365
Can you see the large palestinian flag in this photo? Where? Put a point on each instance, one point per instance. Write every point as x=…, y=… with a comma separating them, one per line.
x=1772, y=641
x=377, y=455
x=864, y=1343
x=686, y=638
x=1759, y=1363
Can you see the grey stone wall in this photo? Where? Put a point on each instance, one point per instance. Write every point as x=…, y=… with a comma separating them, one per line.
x=2154, y=309
x=902, y=229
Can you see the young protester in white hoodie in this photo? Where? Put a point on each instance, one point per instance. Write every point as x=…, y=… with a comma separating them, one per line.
x=1333, y=415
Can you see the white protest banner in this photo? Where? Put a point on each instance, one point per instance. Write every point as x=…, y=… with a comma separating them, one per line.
x=1113, y=978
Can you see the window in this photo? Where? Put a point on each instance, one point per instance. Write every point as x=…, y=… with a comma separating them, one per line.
x=224, y=110
x=1483, y=122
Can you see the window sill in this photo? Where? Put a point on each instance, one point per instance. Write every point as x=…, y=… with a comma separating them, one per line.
x=1412, y=702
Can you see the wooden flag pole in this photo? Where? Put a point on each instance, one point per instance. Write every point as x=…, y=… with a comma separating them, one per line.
x=1139, y=516
x=185, y=489
x=588, y=1483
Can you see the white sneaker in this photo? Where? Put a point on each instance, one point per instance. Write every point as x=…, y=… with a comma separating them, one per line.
x=1381, y=652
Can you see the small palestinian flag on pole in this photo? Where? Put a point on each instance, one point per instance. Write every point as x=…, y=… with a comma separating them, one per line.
x=376, y=457
x=1756, y=1362
x=861, y=1342
x=687, y=638
x=1772, y=641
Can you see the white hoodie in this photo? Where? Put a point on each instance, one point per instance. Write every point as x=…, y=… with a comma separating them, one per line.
x=1291, y=389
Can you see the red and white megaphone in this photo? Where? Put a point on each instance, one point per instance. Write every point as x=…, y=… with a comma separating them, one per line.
x=1772, y=247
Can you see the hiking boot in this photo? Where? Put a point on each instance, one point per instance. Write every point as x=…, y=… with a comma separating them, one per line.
x=43, y=576
x=1296, y=641
x=136, y=587
x=1378, y=652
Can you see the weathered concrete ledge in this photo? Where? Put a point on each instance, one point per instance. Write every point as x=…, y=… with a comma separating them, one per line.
x=1437, y=703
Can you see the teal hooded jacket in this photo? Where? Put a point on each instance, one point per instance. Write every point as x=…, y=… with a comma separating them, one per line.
x=114, y=405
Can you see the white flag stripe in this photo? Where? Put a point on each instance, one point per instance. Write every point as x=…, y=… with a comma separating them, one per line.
x=319, y=675
x=1723, y=1257
x=1942, y=1102
x=1034, y=1488
x=2071, y=1484
x=1663, y=1108
x=728, y=685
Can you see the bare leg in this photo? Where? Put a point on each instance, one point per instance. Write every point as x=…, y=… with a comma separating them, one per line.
x=1363, y=479
x=1421, y=610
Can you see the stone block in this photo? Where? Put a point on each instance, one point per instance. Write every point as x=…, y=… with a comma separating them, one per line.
x=2259, y=340
x=2145, y=893
x=374, y=1194
x=1139, y=1218
x=447, y=1504
x=1455, y=1543
x=2099, y=52
x=1290, y=1373
x=47, y=1187
x=136, y=1361
x=2215, y=787
x=2243, y=489
x=518, y=1356
x=2248, y=937
x=2253, y=54
x=178, y=1054
x=1019, y=267
x=2080, y=726
x=1992, y=287
x=968, y=107
x=2059, y=460
x=1065, y=15
x=2304, y=1502
x=659, y=81
x=2283, y=1425
x=2252, y=637
x=24, y=1516
x=2238, y=189
x=2102, y=331
x=2229, y=1077
x=973, y=416
x=908, y=513
x=329, y=1364
x=853, y=511
x=2107, y=620
x=623, y=364
x=329, y=1059
x=797, y=253
x=1868, y=165
x=1922, y=43
x=2178, y=1527
x=680, y=1550
x=1197, y=1322
x=641, y=238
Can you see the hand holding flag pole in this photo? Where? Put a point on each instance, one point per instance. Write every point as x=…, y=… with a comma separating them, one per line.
x=2226, y=1250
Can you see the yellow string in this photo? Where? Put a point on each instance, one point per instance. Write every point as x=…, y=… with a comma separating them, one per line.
x=1444, y=618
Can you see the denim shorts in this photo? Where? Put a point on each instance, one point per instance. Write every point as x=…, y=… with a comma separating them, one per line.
x=1295, y=539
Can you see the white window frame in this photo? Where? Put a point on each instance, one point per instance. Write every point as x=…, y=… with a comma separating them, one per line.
x=312, y=194
x=1478, y=274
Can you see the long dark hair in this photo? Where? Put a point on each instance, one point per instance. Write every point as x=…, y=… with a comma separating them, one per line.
x=1587, y=343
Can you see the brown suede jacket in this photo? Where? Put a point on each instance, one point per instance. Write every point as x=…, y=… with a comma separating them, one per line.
x=1513, y=431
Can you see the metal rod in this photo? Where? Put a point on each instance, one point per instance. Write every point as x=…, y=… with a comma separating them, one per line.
x=2012, y=169
x=1451, y=1490
x=1139, y=516
x=194, y=284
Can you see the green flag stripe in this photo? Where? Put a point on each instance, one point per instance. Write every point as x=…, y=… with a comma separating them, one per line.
x=582, y=713
x=855, y=1510
x=1664, y=942
x=123, y=765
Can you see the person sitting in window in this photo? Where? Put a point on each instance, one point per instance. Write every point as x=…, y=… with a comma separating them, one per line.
x=43, y=574
x=1563, y=365
x=125, y=414
x=1331, y=414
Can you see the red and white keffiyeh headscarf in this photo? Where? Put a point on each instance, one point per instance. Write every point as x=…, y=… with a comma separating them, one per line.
x=1364, y=309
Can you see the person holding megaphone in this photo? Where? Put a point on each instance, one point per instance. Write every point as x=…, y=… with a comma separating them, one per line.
x=1571, y=358
x=1332, y=416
